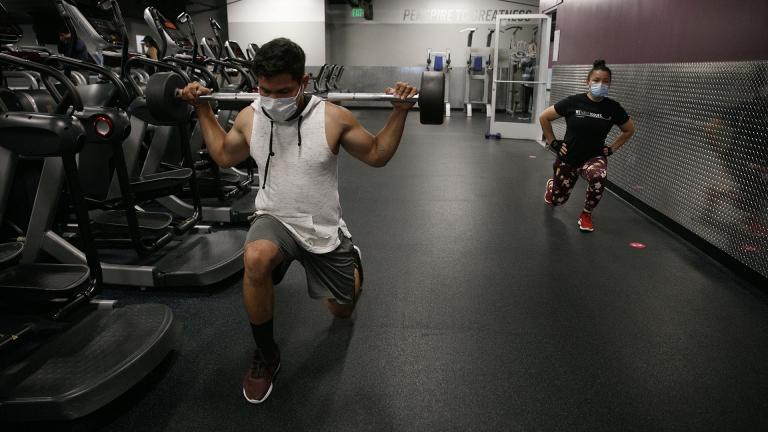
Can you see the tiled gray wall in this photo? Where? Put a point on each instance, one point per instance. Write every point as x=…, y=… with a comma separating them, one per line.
x=700, y=154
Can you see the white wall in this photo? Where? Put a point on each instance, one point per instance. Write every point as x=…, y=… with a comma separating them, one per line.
x=403, y=30
x=436, y=11
x=361, y=45
x=260, y=21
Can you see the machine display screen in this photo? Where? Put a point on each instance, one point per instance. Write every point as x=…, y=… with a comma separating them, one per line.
x=179, y=38
x=104, y=24
x=107, y=30
x=236, y=50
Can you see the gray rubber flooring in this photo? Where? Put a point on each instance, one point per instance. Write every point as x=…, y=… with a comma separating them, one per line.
x=483, y=309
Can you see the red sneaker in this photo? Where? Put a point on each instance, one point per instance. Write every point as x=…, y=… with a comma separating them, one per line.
x=257, y=384
x=548, y=193
x=585, y=222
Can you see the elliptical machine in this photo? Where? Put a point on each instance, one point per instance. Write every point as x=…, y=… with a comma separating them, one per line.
x=195, y=255
x=64, y=354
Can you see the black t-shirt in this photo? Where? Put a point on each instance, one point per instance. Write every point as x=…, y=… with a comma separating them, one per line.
x=587, y=125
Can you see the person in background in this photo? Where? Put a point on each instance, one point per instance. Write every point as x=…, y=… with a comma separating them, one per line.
x=73, y=47
x=528, y=73
x=589, y=117
x=150, y=47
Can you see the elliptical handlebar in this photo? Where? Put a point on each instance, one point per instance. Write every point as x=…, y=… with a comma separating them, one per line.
x=125, y=96
x=150, y=62
x=248, y=78
x=77, y=102
x=210, y=80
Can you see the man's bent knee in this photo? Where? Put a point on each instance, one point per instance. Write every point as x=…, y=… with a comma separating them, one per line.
x=260, y=258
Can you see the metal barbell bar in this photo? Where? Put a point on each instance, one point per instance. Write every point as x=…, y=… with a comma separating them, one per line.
x=333, y=97
x=163, y=94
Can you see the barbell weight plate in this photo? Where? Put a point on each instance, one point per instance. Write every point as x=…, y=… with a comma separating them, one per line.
x=162, y=101
x=431, y=97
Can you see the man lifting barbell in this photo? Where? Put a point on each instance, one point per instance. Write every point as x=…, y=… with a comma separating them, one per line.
x=295, y=139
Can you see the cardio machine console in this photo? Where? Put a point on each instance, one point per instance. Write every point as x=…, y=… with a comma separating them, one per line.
x=234, y=50
x=171, y=38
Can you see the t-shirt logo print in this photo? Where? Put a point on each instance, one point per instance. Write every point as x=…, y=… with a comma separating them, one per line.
x=582, y=113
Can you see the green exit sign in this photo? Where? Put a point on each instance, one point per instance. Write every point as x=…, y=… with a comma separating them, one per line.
x=358, y=12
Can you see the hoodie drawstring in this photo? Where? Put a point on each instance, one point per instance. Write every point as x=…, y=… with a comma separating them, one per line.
x=271, y=152
x=300, y=118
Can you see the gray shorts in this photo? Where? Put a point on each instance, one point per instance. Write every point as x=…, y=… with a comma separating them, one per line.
x=329, y=275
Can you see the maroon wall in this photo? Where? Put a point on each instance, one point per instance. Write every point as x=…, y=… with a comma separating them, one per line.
x=662, y=31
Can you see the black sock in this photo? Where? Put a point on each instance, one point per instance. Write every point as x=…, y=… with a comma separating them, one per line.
x=263, y=335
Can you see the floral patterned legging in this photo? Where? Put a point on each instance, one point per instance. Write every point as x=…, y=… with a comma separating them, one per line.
x=564, y=179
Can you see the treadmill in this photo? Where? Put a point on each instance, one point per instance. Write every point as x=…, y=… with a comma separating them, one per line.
x=64, y=354
x=203, y=256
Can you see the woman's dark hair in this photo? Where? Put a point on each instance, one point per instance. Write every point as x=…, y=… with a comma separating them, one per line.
x=279, y=56
x=599, y=65
x=148, y=41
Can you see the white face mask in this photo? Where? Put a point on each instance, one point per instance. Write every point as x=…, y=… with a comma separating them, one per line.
x=281, y=109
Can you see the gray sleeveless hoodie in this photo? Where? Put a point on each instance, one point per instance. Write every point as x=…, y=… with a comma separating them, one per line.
x=299, y=176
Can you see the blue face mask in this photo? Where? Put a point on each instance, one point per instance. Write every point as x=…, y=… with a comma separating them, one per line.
x=598, y=89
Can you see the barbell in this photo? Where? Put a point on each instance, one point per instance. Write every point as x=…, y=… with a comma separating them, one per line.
x=163, y=95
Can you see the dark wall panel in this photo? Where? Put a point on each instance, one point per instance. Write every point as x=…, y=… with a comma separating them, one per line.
x=662, y=31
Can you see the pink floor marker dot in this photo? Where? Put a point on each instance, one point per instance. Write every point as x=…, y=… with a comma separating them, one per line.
x=637, y=245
